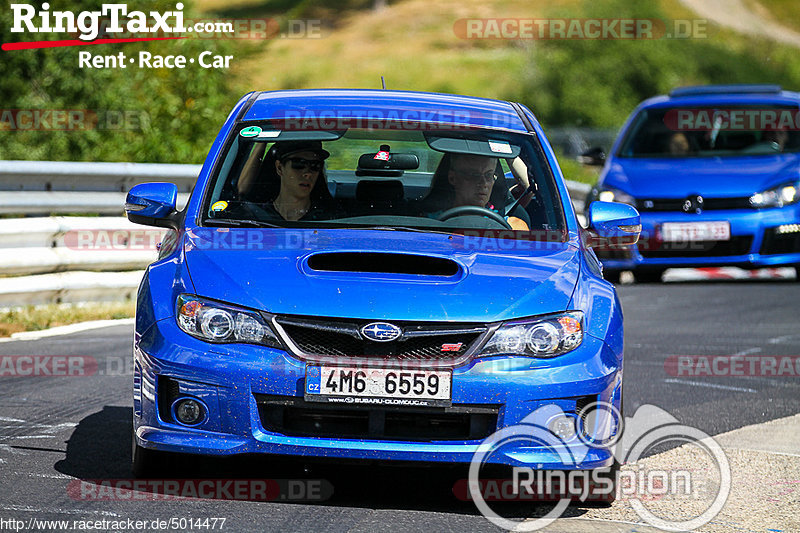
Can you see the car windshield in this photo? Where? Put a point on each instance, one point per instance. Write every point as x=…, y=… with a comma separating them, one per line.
x=433, y=181
x=723, y=131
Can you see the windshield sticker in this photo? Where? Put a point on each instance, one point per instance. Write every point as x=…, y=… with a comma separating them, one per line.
x=500, y=147
x=382, y=155
x=252, y=131
x=219, y=206
x=269, y=134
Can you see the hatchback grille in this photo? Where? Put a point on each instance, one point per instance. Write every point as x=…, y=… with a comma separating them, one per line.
x=738, y=245
x=292, y=416
x=342, y=339
x=676, y=204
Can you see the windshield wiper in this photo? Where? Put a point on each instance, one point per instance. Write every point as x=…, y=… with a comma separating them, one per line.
x=405, y=228
x=238, y=223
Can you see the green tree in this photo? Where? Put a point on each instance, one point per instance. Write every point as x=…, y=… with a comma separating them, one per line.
x=167, y=115
x=598, y=82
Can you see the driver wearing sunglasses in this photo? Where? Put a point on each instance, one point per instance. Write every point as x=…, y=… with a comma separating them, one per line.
x=472, y=178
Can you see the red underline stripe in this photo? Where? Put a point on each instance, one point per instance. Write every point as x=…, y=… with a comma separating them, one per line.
x=30, y=45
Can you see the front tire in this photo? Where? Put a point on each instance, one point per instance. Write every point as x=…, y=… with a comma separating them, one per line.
x=146, y=463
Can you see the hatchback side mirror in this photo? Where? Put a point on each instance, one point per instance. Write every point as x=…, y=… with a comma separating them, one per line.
x=152, y=204
x=593, y=157
x=613, y=224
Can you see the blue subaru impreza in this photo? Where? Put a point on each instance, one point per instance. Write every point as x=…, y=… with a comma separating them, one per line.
x=377, y=275
x=715, y=172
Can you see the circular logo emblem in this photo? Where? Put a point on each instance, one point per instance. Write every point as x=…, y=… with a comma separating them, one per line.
x=381, y=332
x=693, y=204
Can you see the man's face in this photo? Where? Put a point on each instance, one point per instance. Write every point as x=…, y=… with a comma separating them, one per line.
x=472, y=177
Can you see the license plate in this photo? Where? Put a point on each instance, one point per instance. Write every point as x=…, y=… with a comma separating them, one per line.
x=695, y=231
x=378, y=386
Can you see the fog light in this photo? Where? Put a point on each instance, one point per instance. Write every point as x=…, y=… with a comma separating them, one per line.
x=563, y=427
x=789, y=228
x=188, y=411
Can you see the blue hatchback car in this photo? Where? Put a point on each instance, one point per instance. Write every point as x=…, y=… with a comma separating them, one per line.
x=374, y=275
x=715, y=173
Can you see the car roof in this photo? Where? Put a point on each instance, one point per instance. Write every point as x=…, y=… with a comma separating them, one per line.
x=704, y=95
x=385, y=104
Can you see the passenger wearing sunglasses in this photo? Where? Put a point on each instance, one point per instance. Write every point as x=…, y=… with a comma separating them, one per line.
x=295, y=186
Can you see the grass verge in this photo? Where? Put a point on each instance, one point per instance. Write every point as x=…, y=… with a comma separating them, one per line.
x=33, y=318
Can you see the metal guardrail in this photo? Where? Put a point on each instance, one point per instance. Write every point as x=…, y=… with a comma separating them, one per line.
x=55, y=259
x=45, y=187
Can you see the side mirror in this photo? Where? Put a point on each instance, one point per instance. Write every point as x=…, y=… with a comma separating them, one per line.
x=613, y=224
x=152, y=204
x=593, y=157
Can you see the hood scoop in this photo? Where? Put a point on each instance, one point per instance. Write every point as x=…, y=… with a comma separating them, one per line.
x=383, y=263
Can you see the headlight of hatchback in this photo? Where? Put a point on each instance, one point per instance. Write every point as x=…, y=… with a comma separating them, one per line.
x=615, y=195
x=216, y=322
x=786, y=194
x=543, y=337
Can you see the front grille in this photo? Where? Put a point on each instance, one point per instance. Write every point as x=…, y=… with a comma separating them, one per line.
x=780, y=243
x=709, y=204
x=292, y=416
x=738, y=245
x=342, y=339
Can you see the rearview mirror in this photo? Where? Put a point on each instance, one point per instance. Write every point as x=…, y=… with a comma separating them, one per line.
x=152, y=204
x=613, y=224
x=386, y=163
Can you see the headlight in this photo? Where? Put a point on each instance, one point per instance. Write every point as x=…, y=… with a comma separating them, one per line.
x=216, y=322
x=547, y=336
x=786, y=194
x=615, y=195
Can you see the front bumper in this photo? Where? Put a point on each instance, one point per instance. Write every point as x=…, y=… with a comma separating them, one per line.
x=755, y=241
x=231, y=380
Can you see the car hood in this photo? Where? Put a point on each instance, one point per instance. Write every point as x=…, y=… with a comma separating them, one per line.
x=721, y=177
x=269, y=271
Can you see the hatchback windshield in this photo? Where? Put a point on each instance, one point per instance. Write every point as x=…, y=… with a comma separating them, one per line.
x=442, y=181
x=722, y=131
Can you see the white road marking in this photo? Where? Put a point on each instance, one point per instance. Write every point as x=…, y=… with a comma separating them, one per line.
x=29, y=509
x=9, y=449
x=781, y=339
x=709, y=385
x=748, y=351
x=26, y=436
x=4, y=419
x=48, y=476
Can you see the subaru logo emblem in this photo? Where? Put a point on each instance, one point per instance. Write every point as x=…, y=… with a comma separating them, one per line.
x=381, y=332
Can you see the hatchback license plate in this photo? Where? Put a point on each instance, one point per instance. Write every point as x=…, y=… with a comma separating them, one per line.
x=695, y=231
x=378, y=386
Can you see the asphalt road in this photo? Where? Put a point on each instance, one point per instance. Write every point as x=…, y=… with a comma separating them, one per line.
x=57, y=430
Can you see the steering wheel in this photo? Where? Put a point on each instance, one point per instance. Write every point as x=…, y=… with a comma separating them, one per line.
x=476, y=211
